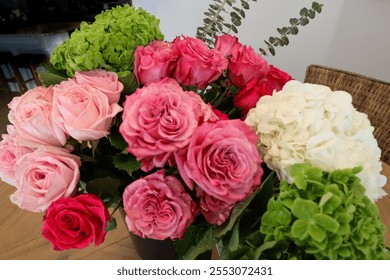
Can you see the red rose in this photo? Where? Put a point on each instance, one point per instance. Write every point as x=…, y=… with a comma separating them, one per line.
x=246, y=65
x=75, y=222
x=198, y=65
x=154, y=62
x=248, y=96
x=277, y=78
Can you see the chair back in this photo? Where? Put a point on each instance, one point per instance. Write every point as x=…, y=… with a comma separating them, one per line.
x=369, y=96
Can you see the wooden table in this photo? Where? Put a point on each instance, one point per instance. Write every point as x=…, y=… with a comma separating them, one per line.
x=20, y=233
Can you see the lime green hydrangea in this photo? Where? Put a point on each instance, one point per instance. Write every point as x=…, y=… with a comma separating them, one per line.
x=324, y=216
x=109, y=42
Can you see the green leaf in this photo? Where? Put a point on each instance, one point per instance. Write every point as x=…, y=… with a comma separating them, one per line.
x=317, y=233
x=300, y=229
x=116, y=139
x=326, y=222
x=49, y=79
x=316, y=7
x=304, y=209
x=264, y=247
x=197, y=240
x=234, y=241
x=111, y=225
x=245, y=5
x=304, y=21
x=129, y=82
x=126, y=162
x=303, y=12
x=263, y=191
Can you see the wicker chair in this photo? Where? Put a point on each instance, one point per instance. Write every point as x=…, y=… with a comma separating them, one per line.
x=369, y=96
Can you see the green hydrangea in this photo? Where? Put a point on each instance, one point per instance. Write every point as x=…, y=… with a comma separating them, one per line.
x=109, y=42
x=324, y=216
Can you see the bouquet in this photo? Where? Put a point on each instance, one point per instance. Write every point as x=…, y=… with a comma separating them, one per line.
x=203, y=143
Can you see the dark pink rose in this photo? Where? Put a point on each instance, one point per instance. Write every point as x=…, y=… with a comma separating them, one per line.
x=158, y=207
x=214, y=210
x=83, y=111
x=104, y=81
x=75, y=222
x=154, y=62
x=246, y=65
x=10, y=152
x=227, y=45
x=44, y=176
x=31, y=114
x=222, y=160
x=276, y=78
x=250, y=94
x=197, y=65
x=159, y=119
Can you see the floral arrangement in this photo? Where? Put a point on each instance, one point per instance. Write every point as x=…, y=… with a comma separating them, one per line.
x=185, y=140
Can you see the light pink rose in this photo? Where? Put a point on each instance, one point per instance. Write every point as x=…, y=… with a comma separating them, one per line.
x=104, y=81
x=227, y=45
x=31, y=114
x=44, y=176
x=214, y=210
x=197, y=65
x=158, y=207
x=83, y=111
x=245, y=65
x=10, y=152
x=222, y=160
x=154, y=62
x=159, y=119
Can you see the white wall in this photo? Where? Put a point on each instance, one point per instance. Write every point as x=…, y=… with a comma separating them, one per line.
x=348, y=34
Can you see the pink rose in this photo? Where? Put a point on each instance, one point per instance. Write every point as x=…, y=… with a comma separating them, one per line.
x=250, y=94
x=83, y=111
x=159, y=119
x=222, y=160
x=158, y=207
x=44, y=176
x=75, y=222
x=227, y=45
x=31, y=114
x=104, y=81
x=214, y=210
x=246, y=65
x=154, y=62
x=197, y=65
x=10, y=152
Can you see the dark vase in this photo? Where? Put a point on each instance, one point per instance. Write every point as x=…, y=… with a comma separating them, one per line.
x=152, y=249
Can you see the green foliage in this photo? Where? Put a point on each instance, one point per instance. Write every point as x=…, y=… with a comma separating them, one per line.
x=201, y=237
x=225, y=16
x=215, y=21
x=282, y=40
x=109, y=42
x=322, y=216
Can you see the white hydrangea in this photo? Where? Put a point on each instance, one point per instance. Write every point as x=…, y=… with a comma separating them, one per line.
x=311, y=123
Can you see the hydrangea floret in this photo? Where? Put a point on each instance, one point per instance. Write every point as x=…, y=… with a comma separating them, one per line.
x=307, y=123
x=324, y=216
